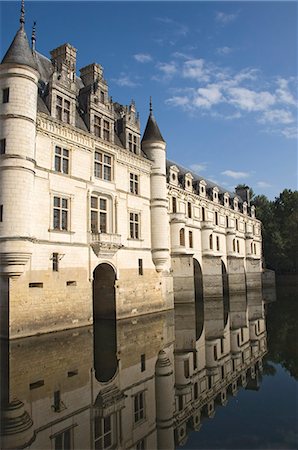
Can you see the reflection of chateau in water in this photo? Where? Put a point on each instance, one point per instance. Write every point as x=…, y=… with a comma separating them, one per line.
x=140, y=383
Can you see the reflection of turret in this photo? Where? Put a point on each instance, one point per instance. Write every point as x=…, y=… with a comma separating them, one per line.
x=164, y=388
x=16, y=426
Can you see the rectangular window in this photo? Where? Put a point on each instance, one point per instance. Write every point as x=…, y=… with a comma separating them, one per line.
x=102, y=432
x=134, y=183
x=221, y=345
x=61, y=160
x=195, y=391
x=190, y=239
x=180, y=402
x=102, y=96
x=216, y=218
x=186, y=368
x=140, y=267
x=99, y=214
x=132, y=143
x=97, y=126
x=189, y=210
x=1, y=213
x=217, y=243
x=60, y=213
x=2, y=146
x=55, y=260
x=139, y=407
x=140, y=445
x=66, y=111
x=203, y=214
x=227, y=221
x=134, y=224
x=174, y=205
x=36, y=384
x=62, y=109
x=215, y=352
x=5, y=95
x=102, y=166
x=106, y=130
x=59, y=103
x=143, y=362
x=35, y=285
x=57, y=401
x=63, y=441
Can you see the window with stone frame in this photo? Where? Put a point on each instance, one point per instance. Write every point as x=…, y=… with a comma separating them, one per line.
x=190, y=238
x=64, y=440
x=139, y=406
x=103, y=166
x=134, y=183
x=103, y=432
x=99, y=214
x=61, y=160
x=134, y=225
x=62, y=109
x=5, y=95
x=132, y=143
x=106, y=130
x=97, y=126
x=60, y=213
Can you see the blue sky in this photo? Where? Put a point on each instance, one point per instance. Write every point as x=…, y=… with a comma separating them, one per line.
x=223, y=76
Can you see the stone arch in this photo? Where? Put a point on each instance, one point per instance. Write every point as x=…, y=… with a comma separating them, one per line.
x=199, y=299
x=103, y=290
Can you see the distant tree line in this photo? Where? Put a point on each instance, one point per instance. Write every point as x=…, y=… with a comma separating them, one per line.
x=279, y=219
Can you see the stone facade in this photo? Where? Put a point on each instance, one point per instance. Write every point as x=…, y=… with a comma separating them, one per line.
x=79, y=189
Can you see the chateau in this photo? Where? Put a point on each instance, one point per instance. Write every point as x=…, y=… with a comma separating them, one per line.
x=95, y=221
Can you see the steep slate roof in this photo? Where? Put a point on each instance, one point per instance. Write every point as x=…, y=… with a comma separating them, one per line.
x=19, y=51
x=198, y=178
x=152, y=132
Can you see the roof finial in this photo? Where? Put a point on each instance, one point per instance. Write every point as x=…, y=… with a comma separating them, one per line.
x=22, y=18
x=150, y=105
x=33, y=36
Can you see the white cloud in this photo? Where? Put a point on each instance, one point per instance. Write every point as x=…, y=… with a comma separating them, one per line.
x=195, y=68
x=224, y=50
x=290, y=132
x=250, y=100
x=142, y=57
x=235, y=175
x=283, y=93
x=177, y=100
x=224, y=18
x=168, y=69
x=277, y=116
x=125, y=80
x=263, y=184
x=198, y=167
x=208, y=96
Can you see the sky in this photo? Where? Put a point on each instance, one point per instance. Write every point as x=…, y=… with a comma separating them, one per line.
x=222, y=75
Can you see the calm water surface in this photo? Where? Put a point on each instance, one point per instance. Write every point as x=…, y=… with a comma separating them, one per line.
x=219, y=374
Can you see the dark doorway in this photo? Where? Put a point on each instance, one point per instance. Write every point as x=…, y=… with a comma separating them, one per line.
x=104, y=302
x=199, y=303
x=225, y=292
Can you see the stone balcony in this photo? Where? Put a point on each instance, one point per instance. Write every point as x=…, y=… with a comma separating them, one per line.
x=105, y=244
x=178, y=217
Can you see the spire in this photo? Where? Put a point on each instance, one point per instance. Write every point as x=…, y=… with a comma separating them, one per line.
x=19, y=51
x=152, y=132
x=33, y=36
x=22, y=17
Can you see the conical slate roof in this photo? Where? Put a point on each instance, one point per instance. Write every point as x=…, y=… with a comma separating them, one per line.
x=152, y=132
x=19, y=51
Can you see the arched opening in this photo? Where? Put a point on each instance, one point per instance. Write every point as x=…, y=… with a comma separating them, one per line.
x=182, y=237
x=104, y=302
x=225, y=292
x=199, y=303
x=104, y=313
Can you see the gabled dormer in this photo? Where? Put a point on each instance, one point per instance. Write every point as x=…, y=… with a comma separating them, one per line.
x=236, y=203
x=202, y=188
x=253, y=211
x=62, y=88
x=215, y=194
x=188, y=179
x=244, y=208
x=95, y=105
x=128, y=127
x=173, y=175
x=226, y=199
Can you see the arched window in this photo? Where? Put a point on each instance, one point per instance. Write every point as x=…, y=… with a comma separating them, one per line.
x=211, y=242
x=238, y=247
x=255, y=249
x=217, y=243
x=182, y=237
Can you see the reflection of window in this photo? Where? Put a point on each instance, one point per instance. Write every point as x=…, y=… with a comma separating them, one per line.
x=139, y=406
x=140, y=445
x=182, y=236
x=190, y=239
x=102, y=432
x=186, y=368
x=134, y=225
x=63, y=441
x=99, y=212
x=61, y=160
x=60, y=213
x=215, y=352
x=134, y=183
x=102, y=166
x=195, y=391
x=55, y=259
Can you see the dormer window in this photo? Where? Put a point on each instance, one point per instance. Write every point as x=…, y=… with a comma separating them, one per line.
x=253, y=211
x=132, y=143
x=188, y=178
x=97, y=126
x=202, y=188
x=62, y=109
x=215, y=194
x=106, y=130
x=173, y=175
x=244, y=208
x=102, y=96
x=226, y=199
x=236, y=204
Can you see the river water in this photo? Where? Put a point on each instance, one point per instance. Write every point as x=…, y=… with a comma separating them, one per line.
x=219, y=375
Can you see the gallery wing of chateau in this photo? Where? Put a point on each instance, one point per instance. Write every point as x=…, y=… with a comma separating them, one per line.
x=95, y=221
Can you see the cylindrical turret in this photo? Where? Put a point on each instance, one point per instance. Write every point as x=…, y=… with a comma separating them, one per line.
x=18, y=106
x=154, y=146
x=164, y=394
